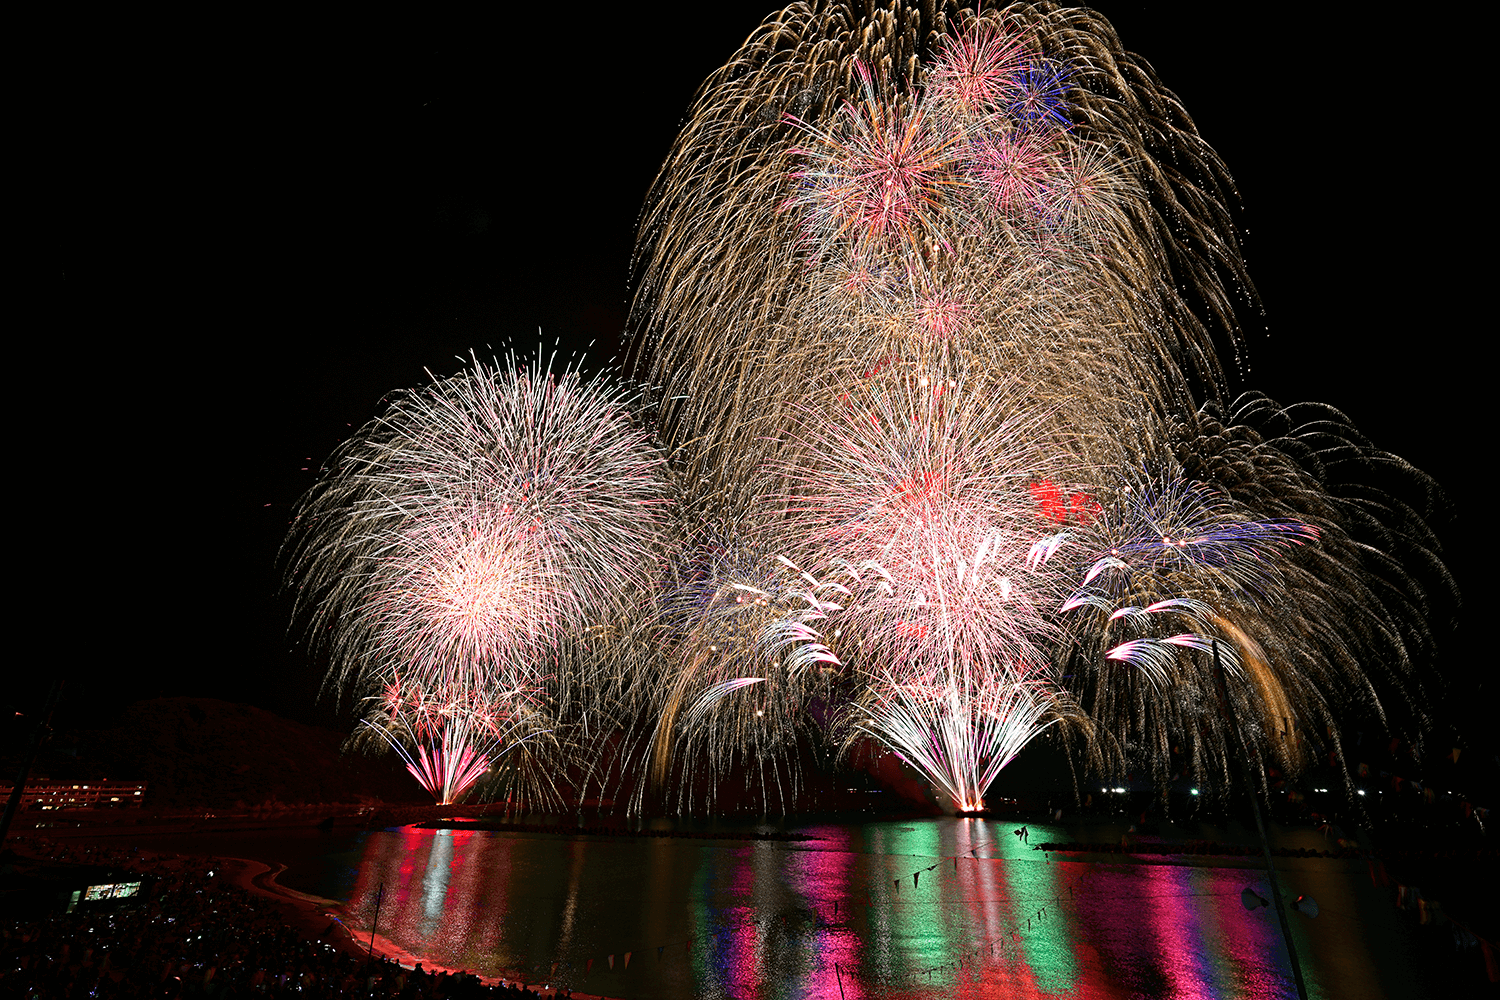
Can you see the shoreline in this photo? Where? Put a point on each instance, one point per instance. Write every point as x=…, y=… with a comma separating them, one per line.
x=319, y=919
x=314, y=918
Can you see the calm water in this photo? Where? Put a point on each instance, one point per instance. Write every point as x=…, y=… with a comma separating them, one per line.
x=839, y=916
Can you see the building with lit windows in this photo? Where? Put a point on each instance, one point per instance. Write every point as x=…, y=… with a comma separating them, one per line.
x=43, y=793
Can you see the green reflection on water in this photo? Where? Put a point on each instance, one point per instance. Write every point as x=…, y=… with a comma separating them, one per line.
x=1043, y=921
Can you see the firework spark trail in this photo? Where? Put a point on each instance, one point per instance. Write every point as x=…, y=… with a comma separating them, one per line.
x=950, y=697
x=1157, y=528
x=745, y=666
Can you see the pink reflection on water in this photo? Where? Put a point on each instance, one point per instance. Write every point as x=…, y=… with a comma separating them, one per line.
x=740, y=958
x=1108, y=905
x=780, y=934
x=419, y=880
x=1252, y=939
x=1177, y=931
x=1178, y=938
x=823, y=880
x=385, y=873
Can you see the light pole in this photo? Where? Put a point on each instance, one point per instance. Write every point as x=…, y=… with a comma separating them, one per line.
x=1260, y=826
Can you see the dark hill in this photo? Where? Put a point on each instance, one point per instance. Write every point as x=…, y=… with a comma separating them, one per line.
x=196, y=752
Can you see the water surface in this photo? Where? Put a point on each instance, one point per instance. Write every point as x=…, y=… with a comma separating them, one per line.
x=921, y=908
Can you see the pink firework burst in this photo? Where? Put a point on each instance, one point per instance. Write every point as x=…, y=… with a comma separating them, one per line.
x=943, y=314
x=468, y=597
x=920, y=493
x=1014, y=169
x=465, y=534
x=976, y=71
x=879, y=179
x=915, y=497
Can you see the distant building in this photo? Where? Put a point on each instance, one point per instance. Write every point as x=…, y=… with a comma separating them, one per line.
x=42, y=793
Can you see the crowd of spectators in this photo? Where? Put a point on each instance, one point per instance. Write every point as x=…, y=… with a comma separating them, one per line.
x=192, y=932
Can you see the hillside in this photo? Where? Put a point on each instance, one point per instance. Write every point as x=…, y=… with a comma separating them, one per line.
x=204, y=752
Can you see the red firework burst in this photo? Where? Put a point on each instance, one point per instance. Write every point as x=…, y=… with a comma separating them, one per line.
x=880, y=178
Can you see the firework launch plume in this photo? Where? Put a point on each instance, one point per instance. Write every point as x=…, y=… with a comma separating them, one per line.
x=451, y=737
x=960, y=728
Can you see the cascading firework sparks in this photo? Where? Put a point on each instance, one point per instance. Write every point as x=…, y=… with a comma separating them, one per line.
x=737, y=629
x=926, y=300
x=1008, y=206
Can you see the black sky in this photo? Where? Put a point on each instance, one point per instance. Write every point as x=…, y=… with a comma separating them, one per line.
x=261, y=228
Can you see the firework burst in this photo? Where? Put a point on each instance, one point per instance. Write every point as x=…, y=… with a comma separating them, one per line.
x=461, y=539
x=477, y=521
x=877, y=181
x=926, y=300
x=916, y=496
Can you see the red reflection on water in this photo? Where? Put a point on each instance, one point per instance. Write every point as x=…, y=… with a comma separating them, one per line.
x=410, y=877
x=1176, y=931
x=1179, y=939
x=1253, y=938
x=1108, y=904
x=823, y=879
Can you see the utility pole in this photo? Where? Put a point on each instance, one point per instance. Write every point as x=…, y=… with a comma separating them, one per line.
x=38, y=732
x=1260, y=826
x=381, y=895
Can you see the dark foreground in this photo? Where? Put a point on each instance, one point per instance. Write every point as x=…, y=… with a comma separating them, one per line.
x=214, y=926
x=199, y=927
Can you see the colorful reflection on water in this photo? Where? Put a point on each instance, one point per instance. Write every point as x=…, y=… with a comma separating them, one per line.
x=920, y=909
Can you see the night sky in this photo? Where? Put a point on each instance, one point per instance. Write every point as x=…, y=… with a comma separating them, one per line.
x=261, y=229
